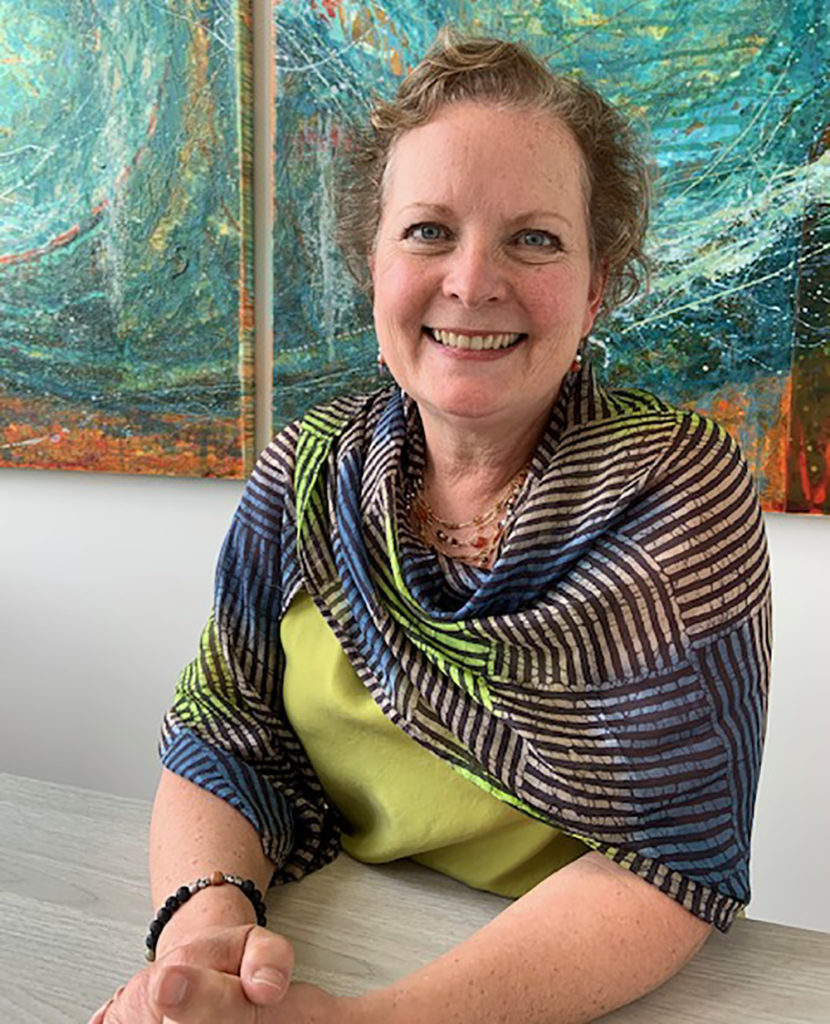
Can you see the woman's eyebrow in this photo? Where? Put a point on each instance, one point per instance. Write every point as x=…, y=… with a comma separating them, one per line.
x=441, y=210
x=533, y=215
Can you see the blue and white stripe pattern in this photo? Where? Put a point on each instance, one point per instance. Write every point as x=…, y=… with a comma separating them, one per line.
x=608, y=675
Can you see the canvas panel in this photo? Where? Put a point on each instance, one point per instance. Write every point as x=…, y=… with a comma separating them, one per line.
x=126, y=307
x=734, y=99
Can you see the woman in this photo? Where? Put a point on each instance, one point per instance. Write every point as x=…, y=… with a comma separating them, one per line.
x=545, y=601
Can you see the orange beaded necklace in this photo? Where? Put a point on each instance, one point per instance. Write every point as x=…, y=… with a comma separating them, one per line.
x=475, y=541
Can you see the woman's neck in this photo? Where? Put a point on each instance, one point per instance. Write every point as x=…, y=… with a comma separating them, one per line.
x=468, y=466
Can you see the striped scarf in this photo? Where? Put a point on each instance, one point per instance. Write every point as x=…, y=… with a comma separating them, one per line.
x=608, y=676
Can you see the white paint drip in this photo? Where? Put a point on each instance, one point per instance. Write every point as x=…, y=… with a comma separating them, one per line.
x=326, y=226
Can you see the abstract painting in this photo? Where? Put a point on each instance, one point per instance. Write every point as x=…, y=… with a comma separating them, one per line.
x=734, y=100
x=126, y=307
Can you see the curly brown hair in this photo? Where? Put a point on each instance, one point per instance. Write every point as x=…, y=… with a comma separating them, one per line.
x=458, y=68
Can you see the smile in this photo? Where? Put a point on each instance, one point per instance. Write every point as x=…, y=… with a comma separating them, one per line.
x=474, y=342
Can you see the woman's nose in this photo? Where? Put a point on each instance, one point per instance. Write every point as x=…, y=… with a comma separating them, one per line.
x=475, y=275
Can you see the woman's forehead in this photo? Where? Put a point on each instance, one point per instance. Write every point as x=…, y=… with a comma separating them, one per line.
x=486, y=148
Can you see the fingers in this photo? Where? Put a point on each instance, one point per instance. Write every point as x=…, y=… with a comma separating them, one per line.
x=185, y=994
x=100, y=1015
x=130, y=1004
x=267, y=963
x=193, y=995
x=101, y=1012
x=205, y=974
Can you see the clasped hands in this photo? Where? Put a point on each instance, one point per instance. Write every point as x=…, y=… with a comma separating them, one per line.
x=237, y=975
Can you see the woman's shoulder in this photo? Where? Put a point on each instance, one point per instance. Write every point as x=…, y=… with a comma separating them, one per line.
x=327, y=419
x=630, y=402
x=336, y=415
x=641, y=452
x=676, y=432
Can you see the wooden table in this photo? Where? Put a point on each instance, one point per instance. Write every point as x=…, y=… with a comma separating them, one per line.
x=74, y=909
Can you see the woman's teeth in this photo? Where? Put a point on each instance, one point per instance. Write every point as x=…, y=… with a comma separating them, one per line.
x=474, y=341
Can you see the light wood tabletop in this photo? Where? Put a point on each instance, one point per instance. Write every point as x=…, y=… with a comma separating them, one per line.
x=74, y=909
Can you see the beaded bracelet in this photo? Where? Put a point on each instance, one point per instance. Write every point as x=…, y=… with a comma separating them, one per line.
x=182, y=895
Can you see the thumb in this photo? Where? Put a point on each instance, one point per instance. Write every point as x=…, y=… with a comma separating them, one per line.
x=267, y=963
x=192, y=995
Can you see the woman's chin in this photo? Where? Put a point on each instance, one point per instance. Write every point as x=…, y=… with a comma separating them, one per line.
x=479, y=404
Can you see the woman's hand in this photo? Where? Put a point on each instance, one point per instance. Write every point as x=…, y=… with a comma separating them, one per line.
x=204, y=996
x=233, y=975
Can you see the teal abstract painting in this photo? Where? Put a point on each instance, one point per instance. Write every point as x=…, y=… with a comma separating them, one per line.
x=126, y=310
x=735, y=100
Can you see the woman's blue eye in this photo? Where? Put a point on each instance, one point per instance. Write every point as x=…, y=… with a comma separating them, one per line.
x=537, y=239
x=426, y=232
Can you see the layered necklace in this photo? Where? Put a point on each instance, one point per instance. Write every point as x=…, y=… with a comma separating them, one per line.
x=475, y=541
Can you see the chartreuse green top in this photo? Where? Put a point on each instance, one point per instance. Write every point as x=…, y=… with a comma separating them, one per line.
x=399, y=799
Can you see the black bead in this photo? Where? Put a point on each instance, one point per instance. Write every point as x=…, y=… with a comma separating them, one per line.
x=183, y=894
x=172, y=903
x=155, y=928
x=163, y=915
x=248, y=887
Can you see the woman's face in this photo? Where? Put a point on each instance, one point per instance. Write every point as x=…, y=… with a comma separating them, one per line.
x=482, y=274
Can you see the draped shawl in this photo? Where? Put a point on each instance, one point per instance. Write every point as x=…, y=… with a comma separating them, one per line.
x=607, y=676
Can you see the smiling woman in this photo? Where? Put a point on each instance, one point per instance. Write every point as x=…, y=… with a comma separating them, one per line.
x=492, y=617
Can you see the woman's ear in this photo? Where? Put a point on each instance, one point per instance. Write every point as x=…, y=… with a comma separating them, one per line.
x=595, y=294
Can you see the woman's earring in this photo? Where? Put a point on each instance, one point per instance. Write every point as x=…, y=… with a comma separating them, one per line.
x=381, y=364
x=577, y=363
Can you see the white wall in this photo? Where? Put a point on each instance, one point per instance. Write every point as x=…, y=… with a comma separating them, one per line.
x=106, y=581
x=790, y=876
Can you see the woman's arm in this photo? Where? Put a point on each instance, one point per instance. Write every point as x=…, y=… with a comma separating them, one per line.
x=590, y=938
x=192, y=834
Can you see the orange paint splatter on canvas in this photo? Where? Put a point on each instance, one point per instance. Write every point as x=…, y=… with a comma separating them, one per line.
x=69, y=439
x=765, y=451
